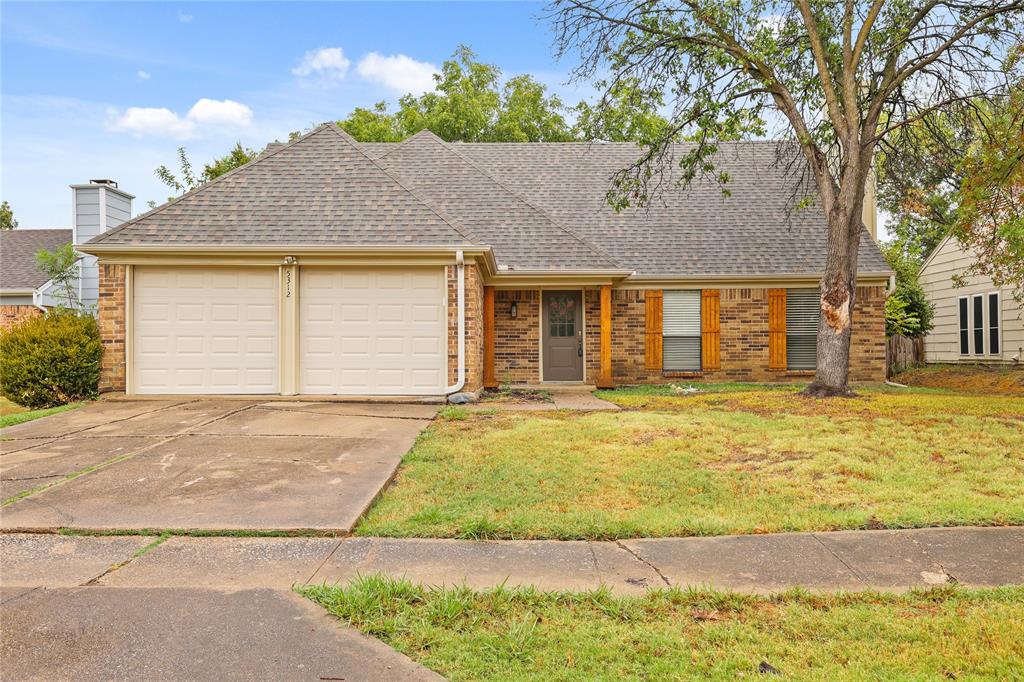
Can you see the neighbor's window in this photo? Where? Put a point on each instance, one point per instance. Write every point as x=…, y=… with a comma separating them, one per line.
x=803, y=312
x=978, y=304
x=680, y=331
x=993, y=324
x=965, y=333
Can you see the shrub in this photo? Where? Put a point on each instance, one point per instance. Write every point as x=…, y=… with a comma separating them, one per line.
x=51, y=360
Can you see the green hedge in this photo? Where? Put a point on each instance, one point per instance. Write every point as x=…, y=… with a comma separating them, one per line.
x=51, y=360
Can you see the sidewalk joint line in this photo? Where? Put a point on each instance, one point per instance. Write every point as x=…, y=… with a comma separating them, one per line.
x=639, y=558
x=324, y=562
x=850, y=568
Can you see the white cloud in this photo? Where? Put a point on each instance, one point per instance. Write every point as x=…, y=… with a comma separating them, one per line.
x=143, y=75
x=161, y=121
x=398, y=72
x=329, y=62
x=220, y=112
x=184, y=18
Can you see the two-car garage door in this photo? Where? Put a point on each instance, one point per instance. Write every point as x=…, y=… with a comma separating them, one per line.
x=219, y=331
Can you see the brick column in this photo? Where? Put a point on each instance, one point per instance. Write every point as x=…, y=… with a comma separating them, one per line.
x=111, y=312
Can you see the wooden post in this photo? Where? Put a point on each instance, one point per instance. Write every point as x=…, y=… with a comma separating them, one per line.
x=490, y=380
x=604, y=376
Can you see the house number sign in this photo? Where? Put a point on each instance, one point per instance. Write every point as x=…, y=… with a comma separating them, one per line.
x=287, y=283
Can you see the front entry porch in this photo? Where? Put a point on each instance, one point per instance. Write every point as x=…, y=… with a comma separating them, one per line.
x=547, y=336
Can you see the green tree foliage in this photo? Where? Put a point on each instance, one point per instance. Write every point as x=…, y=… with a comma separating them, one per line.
x=626, y=113
x=61, y=267
x=7, y=219
x=907, y=310
x=840, y=79
x=50, y=360
x=186, y=180
x=470, y=104
x=990, y=217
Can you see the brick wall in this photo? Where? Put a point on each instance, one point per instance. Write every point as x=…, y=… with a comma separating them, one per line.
x=111, y=315
x=474, y=326
x=11, y=315
x=867, y=348
x=744, y=338
x=517, y=341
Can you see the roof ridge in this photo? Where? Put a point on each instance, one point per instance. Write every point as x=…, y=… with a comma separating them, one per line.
x=516, y=195
x=586, y=242
x=259, y=159
x=451, y=222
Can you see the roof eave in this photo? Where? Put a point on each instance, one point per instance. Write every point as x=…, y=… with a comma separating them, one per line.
x=469, y=250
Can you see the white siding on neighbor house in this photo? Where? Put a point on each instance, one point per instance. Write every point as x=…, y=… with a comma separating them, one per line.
x=943, y=343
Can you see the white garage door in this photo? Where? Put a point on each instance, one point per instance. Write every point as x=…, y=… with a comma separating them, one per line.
x=205, y=330
x=369, y=332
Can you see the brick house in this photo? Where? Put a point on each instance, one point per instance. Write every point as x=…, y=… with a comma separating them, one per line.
x=328, y=266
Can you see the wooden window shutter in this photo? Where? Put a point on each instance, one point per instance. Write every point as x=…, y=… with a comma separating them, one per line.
x=652, y=354
x=777, y=329
x=710, y=337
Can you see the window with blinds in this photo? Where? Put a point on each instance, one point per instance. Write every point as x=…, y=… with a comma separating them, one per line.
x=803, y=312
x=993, y=324
x=681, y=331
x=965, y=334
x=978, y=308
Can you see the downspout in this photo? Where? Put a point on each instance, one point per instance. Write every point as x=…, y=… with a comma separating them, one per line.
x=460, y=275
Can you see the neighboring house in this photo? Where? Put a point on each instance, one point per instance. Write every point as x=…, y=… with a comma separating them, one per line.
x=327, y=266
x=25, y=290
x=977, y=322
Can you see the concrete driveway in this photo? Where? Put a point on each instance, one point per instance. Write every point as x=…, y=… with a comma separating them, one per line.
x=205, y=464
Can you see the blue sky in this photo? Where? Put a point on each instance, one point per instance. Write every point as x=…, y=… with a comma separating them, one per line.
x=111, y=90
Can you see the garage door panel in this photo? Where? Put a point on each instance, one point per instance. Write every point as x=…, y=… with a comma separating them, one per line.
x=205, y=330
x=386, y=333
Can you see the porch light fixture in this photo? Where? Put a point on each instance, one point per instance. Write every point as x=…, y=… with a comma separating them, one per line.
x=513, y=310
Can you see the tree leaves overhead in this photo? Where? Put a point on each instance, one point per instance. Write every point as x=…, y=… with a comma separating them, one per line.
x=471, y=104
x=7, y=219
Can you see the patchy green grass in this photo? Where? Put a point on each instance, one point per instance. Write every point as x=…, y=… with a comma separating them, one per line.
x=736, y=461
x=12, y=413
x=520, y=634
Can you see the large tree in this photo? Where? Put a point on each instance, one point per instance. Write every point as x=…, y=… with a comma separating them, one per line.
x=468, y=104
x=841, y=77
x=7, y=219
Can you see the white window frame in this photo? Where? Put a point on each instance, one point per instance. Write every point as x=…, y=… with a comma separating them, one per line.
x=977, y=324
x=667, y=334
x=998, y=326
x=963, y=324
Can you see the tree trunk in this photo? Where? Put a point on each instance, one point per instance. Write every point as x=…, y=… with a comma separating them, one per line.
x=838, y=291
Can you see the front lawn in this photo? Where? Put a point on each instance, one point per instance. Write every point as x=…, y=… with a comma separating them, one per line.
x=12, y=413
x=743, y=460
x=515, y=634
x=966, y=378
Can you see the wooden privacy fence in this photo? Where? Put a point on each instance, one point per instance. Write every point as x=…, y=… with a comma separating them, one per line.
x=902, y=352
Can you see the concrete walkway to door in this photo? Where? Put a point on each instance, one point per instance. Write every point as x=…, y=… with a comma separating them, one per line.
x=204, y=464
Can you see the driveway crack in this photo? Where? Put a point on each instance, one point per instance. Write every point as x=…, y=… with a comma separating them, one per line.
x=647, y=563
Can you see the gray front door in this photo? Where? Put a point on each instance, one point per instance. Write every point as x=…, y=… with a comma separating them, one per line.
x=562, y=332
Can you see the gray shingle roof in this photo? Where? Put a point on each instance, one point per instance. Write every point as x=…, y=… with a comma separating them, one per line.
x=18, y=249
x=523, y=236
x=320, y=189
x=538, y=205
x=686, y=232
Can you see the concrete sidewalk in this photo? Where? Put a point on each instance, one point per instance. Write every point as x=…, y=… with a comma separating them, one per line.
x=849, y=560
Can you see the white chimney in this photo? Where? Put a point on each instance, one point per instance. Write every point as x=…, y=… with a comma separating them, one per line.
x=97, y=206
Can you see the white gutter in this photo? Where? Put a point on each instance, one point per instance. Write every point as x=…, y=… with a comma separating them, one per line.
x=460, y=275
